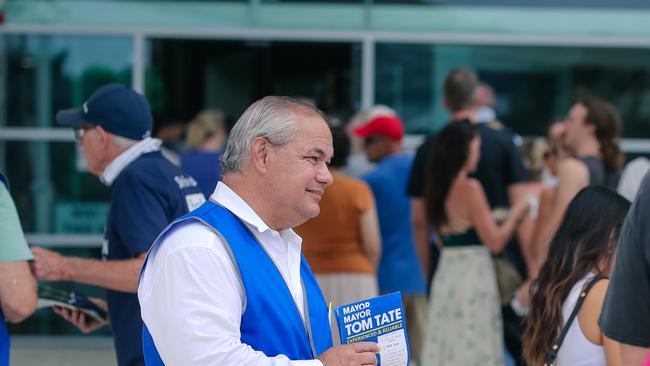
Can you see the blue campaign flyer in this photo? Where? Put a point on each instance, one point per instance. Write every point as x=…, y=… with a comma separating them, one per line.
x=381, y=320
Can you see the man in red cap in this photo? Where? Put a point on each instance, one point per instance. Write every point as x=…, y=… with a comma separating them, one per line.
x=399, y=269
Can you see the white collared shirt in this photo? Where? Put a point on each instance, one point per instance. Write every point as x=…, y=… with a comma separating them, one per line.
x=192, y=298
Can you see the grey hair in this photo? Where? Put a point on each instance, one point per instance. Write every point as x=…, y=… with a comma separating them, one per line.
x=273, y=118
x=122, y=142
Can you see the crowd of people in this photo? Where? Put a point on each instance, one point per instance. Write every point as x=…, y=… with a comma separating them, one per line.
x=502, y=250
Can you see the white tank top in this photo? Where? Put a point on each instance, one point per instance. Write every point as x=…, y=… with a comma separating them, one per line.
x=577, y=350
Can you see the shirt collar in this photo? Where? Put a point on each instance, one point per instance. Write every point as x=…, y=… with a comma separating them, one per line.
x=235, y=204
x=116, y=166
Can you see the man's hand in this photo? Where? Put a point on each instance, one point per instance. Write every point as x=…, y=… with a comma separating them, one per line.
x=48, y=265
x=85, y=323
x=356, y=354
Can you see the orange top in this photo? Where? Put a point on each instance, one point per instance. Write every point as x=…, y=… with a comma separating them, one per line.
x=331, y=241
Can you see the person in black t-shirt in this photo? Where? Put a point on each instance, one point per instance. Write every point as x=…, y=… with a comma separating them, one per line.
x=499, y=171
x=626, y=312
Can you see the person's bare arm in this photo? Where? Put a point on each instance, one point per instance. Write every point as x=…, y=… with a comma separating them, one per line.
x=493, y=236
x=572, y=177
x=17, y=291
x=421, y=234
x=588, y=320
x=546, y=203
x=633, y=355
x=612, y=352
x=517, y=192
x=370, y=236
x=118, y=275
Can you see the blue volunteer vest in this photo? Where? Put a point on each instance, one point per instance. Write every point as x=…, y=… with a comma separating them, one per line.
x=271, y=322
x=4, y=341
x=4, y=334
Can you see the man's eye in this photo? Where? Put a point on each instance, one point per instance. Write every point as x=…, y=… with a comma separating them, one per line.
x=313, y=159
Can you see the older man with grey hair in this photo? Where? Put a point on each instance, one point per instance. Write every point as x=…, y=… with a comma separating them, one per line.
x=227, y=284
x=147, y=192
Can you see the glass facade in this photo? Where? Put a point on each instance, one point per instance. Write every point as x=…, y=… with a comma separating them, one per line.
x=53, y=192
x=190, y=75
x=534, y=85
x=47, y=73
x=49, y=181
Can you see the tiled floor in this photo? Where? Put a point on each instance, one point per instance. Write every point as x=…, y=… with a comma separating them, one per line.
x=62, y=351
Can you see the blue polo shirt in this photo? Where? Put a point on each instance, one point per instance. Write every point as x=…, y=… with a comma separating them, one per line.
x=145, y=197
x=203, y=166
x=399, y=269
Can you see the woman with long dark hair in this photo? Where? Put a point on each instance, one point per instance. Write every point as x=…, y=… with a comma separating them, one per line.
x=464, y=324
x=583, y=247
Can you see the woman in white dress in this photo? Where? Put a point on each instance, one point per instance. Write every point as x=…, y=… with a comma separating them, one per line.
x=464, y=325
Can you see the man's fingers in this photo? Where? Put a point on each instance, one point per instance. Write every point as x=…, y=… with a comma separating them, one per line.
x=367, y=358
x=76, y=315
x=83, y=325
x=366, y=347
x=62, y=312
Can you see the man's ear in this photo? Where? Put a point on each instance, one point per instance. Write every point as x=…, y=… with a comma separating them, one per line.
x=260, y=149
x=104, y=137
x=591, y=127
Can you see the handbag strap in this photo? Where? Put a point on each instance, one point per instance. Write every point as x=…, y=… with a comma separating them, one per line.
x=552, y=354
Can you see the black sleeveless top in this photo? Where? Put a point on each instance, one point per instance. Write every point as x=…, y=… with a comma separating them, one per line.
x=599, y=175
x=466, y=239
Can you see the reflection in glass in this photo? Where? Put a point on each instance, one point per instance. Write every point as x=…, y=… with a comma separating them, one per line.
x=533, y=84
x=52, y=194
x=48, y=73
x=77, y=202
x=187, y=76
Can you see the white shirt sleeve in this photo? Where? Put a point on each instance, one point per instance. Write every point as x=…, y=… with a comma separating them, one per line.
x=192, y=301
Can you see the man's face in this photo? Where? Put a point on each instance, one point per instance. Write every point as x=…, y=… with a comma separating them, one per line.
x=373, y=146
x=298, y=173
x=575, y=128
x=90, y=142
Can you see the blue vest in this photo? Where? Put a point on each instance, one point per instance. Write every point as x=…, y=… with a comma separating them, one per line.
x=271, y=322
x=4, y=334
x=4, y=342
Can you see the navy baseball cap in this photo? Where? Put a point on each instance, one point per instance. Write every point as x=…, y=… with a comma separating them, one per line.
x=118, y=109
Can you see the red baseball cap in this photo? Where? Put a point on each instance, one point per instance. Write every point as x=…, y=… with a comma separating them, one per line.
x=387, y=126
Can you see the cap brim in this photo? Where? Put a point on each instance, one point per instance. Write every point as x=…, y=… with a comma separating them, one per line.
x=71, y=117
x=362, y=131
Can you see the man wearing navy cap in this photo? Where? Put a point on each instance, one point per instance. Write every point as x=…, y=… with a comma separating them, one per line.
x=147, y=193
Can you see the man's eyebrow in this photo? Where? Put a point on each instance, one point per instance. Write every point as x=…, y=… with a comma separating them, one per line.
x=318, y=151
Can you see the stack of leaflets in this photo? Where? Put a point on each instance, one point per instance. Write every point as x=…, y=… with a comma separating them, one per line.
x=381, y=320
x=49, y=296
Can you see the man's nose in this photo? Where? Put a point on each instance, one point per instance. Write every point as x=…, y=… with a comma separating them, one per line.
x=324, y=176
